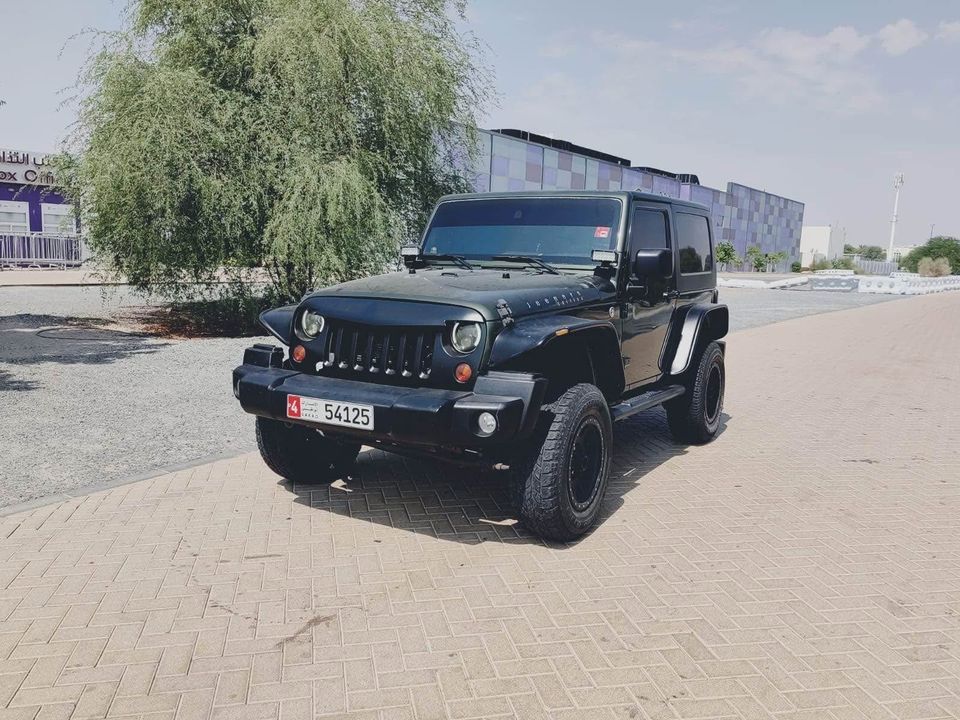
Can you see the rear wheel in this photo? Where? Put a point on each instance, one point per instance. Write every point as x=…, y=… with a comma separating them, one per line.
x=694, y=417
x=563, y=478
x=301, y=454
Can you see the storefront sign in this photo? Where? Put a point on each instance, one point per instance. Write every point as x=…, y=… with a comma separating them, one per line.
x=25, y=168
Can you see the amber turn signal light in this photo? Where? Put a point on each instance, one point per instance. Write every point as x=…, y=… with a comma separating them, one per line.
x=298, y=353
x=463, y=373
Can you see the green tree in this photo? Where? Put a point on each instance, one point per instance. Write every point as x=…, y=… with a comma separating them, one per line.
x=756, y=258
x=867, y=252
x=726, y=254
x=872, y=252
x=938, y=247
x=772, y=260
x=309, y=137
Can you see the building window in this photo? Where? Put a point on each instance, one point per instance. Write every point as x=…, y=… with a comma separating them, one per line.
x=14, y=217
x=693, y=239
x=58, y=219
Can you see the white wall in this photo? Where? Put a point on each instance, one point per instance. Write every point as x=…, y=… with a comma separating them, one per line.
x=819, y=241
x=814, y=243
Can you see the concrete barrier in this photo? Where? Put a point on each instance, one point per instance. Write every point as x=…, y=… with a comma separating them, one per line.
x=836, y=283
x=840, y=272
x=762, y=285
x=908, y=284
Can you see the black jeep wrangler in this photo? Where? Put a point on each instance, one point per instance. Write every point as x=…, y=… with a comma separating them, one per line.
x=523, y=326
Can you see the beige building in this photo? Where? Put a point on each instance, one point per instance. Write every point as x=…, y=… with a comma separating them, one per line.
x=819, y=242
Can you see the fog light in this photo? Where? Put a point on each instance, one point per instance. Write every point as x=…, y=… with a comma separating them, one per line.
x=463, y=372
x=298, y=353
x=487, y=423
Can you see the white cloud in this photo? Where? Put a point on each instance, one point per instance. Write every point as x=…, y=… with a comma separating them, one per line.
x=841, y=43
x=783, y=66
x=901, y=37
x=949, y=31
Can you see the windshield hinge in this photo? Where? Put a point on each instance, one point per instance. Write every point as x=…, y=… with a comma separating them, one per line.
x=503, y=310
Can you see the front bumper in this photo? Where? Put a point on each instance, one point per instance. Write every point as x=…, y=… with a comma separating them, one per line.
x=423, y=417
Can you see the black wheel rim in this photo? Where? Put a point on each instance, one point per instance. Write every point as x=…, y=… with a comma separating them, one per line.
x=714, y=393
x=586, y=465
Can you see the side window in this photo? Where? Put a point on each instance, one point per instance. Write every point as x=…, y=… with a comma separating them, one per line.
x=648, y=231
x=693, y=240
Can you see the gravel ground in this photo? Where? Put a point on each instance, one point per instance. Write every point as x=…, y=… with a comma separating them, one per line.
x=83, y=405
x=752, y=308
x=86, y=402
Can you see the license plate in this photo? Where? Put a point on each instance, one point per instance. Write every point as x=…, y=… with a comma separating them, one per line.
x=330, y=412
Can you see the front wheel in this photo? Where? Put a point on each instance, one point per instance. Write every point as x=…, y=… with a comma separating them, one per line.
x=694, y=417
x=564, y=476
x=301, y=454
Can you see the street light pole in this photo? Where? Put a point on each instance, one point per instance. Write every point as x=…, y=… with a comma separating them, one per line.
x=932, y=226
x=897, y=184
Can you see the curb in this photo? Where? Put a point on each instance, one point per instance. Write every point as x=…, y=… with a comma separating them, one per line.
x=110, y=485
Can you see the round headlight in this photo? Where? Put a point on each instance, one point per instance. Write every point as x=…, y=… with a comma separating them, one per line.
x=311, y=325
x=465, y=336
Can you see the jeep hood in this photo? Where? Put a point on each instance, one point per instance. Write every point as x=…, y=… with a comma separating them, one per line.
x=525, y=293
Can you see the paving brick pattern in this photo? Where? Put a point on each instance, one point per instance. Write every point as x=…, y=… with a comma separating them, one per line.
x=805, y=565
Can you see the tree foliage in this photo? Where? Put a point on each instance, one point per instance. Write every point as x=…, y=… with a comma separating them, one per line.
x=867, y=252
x=938, y=247
x=726, y=254
x=309, y=137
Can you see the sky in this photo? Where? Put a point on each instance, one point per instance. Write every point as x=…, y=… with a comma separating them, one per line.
x=822, y=102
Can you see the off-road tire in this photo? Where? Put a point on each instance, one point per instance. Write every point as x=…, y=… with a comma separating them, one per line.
x=694, y=417
x=545, y=475
x=301, y=454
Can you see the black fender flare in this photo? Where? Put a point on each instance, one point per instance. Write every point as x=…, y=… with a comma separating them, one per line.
x=527, y=335
x=700, y=324
x=279, y=322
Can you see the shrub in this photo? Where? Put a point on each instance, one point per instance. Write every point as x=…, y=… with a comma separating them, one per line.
x=795, y=266
x=933, y=267
x=726, y=254
x=938, y=247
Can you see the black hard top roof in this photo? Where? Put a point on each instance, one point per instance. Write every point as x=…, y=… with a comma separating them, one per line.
x=621, y=194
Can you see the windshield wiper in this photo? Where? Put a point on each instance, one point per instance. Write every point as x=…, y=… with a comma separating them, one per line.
x=458, y=259
x=528, y=260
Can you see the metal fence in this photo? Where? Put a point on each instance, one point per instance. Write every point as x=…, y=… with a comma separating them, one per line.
x=875, y=267
x=40, y=250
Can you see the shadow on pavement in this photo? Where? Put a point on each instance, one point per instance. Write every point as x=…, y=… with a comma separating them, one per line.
x=10, y=383
x=470, y=505
x=28, y=339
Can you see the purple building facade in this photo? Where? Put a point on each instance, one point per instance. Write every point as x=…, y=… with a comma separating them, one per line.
x=38, y=226
x=744, y=216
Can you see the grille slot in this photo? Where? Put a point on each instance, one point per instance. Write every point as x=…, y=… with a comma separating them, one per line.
x=399, y=353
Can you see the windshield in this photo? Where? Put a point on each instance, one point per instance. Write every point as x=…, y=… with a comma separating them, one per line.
x=562, y=231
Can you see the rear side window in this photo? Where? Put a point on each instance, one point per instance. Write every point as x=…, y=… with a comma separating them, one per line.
x=693, y=240
x=648, y=230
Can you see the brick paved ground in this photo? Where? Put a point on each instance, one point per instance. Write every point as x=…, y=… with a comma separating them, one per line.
x=805, y=565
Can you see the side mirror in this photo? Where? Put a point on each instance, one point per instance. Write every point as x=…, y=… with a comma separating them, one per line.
x=653, y=264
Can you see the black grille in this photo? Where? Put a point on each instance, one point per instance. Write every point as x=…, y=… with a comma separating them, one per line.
x=397, y=353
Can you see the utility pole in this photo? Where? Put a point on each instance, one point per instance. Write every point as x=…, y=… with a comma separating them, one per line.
x=932, y=226
x=897, y=184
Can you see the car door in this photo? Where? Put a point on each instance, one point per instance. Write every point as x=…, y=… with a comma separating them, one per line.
x=648, y=303
x=696, y=271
